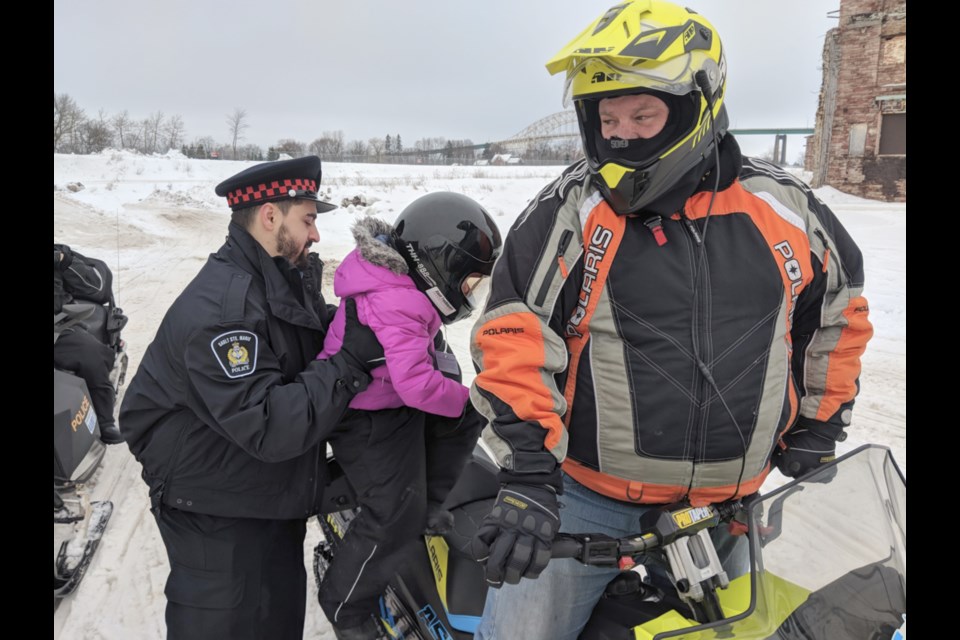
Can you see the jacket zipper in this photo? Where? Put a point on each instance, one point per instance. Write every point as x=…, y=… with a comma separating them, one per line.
x=826, y=256
x=565, y=238
x=691, y=227
x=701, y=290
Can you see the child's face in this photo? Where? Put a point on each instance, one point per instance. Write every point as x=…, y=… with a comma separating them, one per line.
x=470, y=283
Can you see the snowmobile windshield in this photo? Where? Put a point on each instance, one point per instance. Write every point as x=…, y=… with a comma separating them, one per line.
x=829, y=554
x=834, y=546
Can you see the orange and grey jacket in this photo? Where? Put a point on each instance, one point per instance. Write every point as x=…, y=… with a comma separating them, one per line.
x=658, y=359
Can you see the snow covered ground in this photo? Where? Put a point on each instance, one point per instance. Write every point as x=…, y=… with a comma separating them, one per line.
x=154, y=220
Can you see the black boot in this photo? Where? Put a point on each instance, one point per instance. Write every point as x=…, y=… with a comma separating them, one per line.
x=369, y=629
x=110, y=434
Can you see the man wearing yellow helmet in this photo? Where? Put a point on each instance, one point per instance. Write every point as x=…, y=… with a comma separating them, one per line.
x=667, y=321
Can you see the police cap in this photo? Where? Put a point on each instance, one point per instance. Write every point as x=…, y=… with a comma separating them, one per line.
x=272, y=181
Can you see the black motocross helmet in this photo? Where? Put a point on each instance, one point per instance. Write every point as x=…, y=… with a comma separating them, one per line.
x=445, y=238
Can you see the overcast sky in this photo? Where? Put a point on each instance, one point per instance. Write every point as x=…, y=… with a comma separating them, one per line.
x=377, y=67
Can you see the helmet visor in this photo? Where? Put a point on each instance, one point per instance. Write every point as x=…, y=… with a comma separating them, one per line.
x=473, y=253
x=598, y=77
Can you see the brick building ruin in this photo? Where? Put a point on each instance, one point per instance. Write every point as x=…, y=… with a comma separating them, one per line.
x=860, y=144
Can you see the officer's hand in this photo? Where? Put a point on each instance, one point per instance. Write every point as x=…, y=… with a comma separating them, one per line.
x=360, y=347
x=803, y=451
x=514, y=539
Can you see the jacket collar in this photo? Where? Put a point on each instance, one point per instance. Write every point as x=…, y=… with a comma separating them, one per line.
x=700, y=178
x=283, y=282
x=731, y=163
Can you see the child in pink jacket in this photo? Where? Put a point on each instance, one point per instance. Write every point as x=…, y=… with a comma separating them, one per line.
x=408, y=280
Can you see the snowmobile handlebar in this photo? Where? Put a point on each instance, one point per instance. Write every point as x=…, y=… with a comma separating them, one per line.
x=660, y=526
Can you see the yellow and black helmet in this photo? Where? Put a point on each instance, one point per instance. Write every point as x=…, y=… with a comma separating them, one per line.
x=655, y=47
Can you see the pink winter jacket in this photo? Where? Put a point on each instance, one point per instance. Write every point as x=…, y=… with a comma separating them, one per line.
x=404, y=321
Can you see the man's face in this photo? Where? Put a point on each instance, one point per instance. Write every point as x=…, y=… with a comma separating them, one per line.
x=632, y=117
x=297, y=232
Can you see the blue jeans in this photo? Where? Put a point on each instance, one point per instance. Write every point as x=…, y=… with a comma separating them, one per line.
x=557, y=605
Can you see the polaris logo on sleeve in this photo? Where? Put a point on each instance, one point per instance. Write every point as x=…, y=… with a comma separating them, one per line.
x=791, y=267
x=504, y=330
x=599, y=242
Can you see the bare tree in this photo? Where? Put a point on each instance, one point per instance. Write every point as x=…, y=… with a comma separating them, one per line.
x=537, y=151
x=237, y=124
x=204, y=146
x=493, y=149
x=335, y=151
x=121, y=124
x=96, y=134
x=250, y=152
x=356, y=149
x=376, y=148
x=67, y=118
x=329, y=145
x=173, y=132
x=293, y=148
x=569, y=150
x=135, y=135
x=150, y=141
x=430, y=144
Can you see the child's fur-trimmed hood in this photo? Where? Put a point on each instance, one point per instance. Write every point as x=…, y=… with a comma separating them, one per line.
x=365, y=232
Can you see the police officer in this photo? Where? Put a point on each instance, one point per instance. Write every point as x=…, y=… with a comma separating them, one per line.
x=229, y=410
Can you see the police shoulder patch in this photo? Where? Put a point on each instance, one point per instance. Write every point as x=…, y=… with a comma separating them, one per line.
x=236, y=351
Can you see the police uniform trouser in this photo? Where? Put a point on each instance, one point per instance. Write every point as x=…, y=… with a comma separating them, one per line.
x=79, y=351
x=233, y=578
x=382, y=454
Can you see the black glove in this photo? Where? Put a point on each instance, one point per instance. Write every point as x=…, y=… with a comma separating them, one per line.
x=514, y=539
x=360, y=349
x=62, y=256
x=804, y=451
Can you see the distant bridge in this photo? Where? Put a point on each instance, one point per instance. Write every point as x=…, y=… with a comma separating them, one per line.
x=562, y=126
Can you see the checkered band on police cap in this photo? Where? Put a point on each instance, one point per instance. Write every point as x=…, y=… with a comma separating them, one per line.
x=256, y=194
x=270, y=181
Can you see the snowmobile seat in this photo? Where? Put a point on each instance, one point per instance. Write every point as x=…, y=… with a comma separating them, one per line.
x=101, y=320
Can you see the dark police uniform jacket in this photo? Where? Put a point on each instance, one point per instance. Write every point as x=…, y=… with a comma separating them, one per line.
x=228, y=411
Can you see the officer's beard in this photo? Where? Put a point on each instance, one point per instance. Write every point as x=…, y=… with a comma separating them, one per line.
x=289, y=249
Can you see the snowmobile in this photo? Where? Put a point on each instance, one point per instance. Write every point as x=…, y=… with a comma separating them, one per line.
x=77, y=449
x=827, y=561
